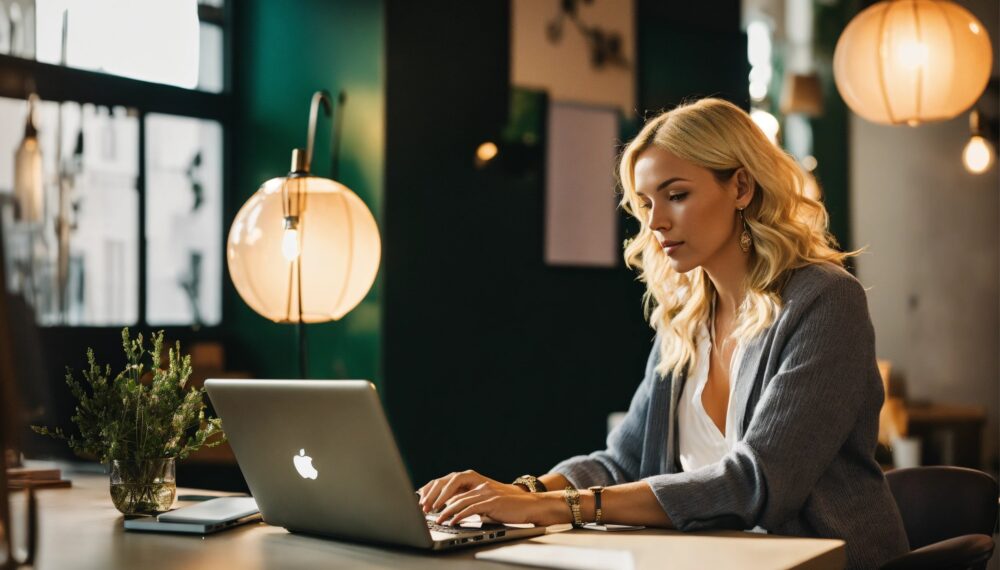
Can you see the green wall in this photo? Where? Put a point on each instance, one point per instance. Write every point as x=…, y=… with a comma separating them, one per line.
x=284, y=53
x=494, y=360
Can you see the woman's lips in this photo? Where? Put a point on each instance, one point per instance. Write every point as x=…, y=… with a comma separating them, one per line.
x=671, y=246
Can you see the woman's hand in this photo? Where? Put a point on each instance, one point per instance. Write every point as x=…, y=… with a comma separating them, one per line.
x=437, y=493
x=469, y=493
x=501, y=504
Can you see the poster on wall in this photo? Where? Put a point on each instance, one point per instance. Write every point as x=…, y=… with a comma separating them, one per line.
x=581, y=220
x=576, y=51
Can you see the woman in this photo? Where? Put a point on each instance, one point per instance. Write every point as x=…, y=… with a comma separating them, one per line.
x=760, y=402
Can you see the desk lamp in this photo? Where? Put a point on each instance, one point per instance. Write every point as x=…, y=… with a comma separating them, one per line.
x=304, y=249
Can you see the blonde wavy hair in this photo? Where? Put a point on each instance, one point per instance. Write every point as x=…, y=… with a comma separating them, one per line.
x=789, y=229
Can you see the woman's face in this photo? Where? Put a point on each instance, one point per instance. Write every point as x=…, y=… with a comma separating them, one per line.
x=691, y=213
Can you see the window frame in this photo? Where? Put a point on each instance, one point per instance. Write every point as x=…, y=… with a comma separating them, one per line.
x=56, y=83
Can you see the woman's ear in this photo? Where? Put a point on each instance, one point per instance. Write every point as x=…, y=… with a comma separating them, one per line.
x=744, y=187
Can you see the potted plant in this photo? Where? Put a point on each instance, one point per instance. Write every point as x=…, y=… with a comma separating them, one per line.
x=139, y=423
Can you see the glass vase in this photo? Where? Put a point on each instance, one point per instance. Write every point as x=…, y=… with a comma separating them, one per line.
x=143, y=487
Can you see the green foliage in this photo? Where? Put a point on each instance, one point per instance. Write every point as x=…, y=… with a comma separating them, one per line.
x=134, y=417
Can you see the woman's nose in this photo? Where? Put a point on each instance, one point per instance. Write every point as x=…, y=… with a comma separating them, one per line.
x=658, y=220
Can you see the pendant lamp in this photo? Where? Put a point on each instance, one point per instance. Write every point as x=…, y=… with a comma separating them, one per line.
x=304, y=249
x=912, y=61
x=29, y=182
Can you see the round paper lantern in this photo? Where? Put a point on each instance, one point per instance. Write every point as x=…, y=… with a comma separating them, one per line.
x=309, y=231
x=912, y=61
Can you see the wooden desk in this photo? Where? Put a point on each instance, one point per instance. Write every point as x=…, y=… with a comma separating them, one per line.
x=80, y=529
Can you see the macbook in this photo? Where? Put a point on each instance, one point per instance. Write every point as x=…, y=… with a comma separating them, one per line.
x=319, y=458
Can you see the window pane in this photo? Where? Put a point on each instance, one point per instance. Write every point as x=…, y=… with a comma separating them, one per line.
x=154, y=41
x=183, y=221
x=95, y=181
x=210, y=76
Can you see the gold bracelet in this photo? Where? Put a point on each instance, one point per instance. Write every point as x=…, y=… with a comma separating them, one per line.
x=572, y=497
x=531, y=483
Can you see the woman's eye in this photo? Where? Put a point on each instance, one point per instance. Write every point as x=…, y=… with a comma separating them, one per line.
x=645, y=206
x=678, y=196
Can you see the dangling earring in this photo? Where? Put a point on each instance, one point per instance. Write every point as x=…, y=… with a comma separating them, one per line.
x=746, y=240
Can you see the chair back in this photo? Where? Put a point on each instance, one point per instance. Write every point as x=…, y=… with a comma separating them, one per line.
x=942, y=502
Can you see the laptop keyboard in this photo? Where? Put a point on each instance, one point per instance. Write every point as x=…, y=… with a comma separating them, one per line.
x=431, y=525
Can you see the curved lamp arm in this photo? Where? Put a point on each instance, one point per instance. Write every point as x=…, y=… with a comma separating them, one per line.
x=323, y=98
x=319, y=97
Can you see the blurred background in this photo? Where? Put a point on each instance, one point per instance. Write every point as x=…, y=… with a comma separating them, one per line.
x=503, y=330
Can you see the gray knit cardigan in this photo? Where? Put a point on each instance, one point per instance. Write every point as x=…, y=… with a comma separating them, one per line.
x=806, y=411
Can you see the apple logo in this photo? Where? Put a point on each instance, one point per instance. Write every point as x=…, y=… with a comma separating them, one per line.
x=304, y=465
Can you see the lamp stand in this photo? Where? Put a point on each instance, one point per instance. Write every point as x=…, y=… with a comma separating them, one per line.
x=300, y=337
x=320, y=99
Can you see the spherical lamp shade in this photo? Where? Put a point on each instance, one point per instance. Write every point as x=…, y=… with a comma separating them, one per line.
x=912, y=61
x=334, y=246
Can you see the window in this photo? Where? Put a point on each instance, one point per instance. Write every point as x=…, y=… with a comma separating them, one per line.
x=132, y=166
x=183, y=221
x=175, y=42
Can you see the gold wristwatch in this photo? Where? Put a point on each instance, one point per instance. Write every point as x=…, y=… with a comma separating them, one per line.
x=531, y=483
x=572, y=497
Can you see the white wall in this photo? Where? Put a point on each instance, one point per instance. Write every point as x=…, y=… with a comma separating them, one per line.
x=933, y=266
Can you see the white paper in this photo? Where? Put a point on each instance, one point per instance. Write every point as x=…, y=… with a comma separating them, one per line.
x=563, y=557
x=581, y=218
x=612, y=527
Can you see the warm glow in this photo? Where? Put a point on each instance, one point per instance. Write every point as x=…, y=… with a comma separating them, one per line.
x=978, y=155
x=486, y=152
x=767, y=123
x=337, y=243
x=290, y=244
x=810, y=163
x=912, y=61
x=912, y=54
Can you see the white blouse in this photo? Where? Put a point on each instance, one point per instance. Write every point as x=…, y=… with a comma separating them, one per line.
x=701, y=442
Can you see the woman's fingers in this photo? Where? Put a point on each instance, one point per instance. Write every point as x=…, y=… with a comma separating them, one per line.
x=458, y=483
x=433, y=490
x=477, y=490
x=455, y=506
x=477, y=507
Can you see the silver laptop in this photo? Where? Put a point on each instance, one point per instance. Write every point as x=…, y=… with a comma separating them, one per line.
x=319, y=458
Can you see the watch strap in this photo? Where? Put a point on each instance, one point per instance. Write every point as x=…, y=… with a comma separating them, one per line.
x=572, y=497
x=598, y=513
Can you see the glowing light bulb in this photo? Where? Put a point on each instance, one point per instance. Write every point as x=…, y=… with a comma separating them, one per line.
x=912, y=54
x=978, y=155
x=290, y=244
x=486, y=151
